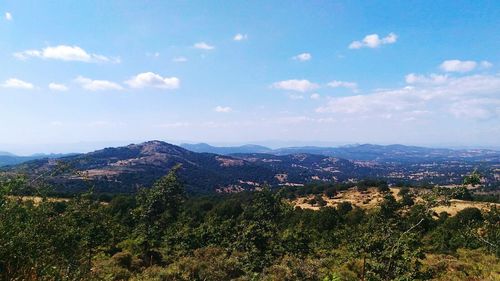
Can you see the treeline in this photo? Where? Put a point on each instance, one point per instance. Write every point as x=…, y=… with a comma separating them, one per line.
x=162, y=234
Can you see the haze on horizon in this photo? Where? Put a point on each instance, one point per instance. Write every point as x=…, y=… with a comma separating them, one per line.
x=81, y=77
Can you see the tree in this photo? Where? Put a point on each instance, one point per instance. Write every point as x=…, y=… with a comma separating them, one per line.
x=92, y=226
x=462, y=193
x=158, y=208
x=473, y=179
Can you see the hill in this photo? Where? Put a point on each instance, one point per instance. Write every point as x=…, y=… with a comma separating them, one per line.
x=124, y=169
x=7, y=158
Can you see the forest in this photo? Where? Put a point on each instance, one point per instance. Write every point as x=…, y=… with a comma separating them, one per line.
x=164, y=233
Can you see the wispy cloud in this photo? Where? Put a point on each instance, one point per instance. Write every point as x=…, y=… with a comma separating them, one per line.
x=153, y=80
x=153, y=55
x=58, y=87
x=8, y=16
x=315, y=96
x=374, y=41
x=485, y=64
x=468, y=97
x=295, y=85
x=97, y=85
x=65, y=53
x=303, y=57
x=223, y=109
x=14, y=83
x=180, y=59
x=203, y=46
x=240, y=37
x=413, y=78
x=463, y=65
x=343, y=84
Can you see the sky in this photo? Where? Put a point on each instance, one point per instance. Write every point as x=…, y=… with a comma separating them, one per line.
x=77, y=75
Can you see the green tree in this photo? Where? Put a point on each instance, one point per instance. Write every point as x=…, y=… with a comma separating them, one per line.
x=157, y=209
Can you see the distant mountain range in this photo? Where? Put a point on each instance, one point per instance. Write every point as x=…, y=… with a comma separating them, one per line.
x=226, y=150
x=7, y=158
x=125, y=169
x=363, y=152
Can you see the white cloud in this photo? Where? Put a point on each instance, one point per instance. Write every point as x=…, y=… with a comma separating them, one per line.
x=153, y=55
x=303, y=57
x=469, y=97
x=203, y=46
x=240, y=37
x=223, y=109
x=180, y=59
x=150, y=79
x=343, y=84
x=65, y=53
x=58, y=87
x=14, y=83
x=482, y=108
x=458, y=65
x=413, y=78
x=97, y=85
x=374, y=41
x=485, y=64
x=295, y=85
x=315, y=96
x=8, y=16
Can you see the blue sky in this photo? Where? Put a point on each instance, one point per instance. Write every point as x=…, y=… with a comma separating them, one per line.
x=76, y=75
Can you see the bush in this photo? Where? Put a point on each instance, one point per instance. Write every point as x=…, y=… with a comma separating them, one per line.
x=466, y=265
x=292, y=268
x=383, y=188
x=210, y=264
x=123, y=259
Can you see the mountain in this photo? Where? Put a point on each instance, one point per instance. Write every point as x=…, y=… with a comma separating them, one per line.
x=248, y=148
x=124, y=169
x=5, y=153
x=7, y=158
x=363, y=152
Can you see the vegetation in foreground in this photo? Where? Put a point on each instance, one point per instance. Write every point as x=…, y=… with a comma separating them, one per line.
x=160, y=234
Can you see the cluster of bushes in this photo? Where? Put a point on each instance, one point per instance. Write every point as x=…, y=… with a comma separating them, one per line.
x=161, y=234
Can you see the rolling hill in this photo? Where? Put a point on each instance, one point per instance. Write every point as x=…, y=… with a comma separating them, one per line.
x=125, y=169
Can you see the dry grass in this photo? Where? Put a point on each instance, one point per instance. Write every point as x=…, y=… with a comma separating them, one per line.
x=37, y=199
x=458, y=205
x=364, y=199
x=372, y=198
x=472, y=265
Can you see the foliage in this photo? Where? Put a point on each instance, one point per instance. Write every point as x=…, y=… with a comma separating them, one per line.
x=161, y=234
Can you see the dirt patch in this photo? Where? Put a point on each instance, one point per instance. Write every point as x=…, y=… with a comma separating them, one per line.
x=228, y=162
x=458, y=205
x=37, y=199
x=364, y=199
x=372, y=198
